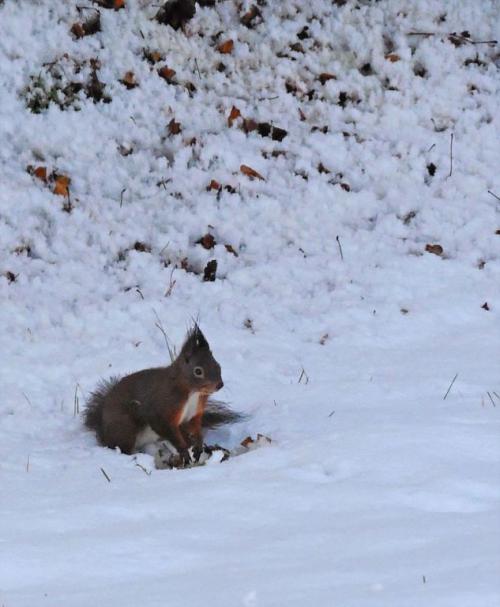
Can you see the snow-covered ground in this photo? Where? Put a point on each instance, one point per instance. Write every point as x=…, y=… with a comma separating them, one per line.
x=335, y=327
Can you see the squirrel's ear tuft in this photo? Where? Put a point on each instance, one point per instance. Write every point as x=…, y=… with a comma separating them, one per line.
x=199, y=338
x=195, y=340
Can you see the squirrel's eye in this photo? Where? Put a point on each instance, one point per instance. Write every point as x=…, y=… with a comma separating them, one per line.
x=198, y=371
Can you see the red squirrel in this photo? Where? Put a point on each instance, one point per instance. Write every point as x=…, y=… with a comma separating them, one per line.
x=169, y=403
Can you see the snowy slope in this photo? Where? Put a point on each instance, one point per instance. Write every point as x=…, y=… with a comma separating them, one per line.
x=336, y=324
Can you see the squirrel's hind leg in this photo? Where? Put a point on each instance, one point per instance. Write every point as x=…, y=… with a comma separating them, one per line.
x=118, y=429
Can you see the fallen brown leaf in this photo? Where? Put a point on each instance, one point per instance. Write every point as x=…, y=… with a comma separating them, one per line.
x=297, y=47
x=392, y=57
x=249, y=172
x=61, y=185
x=248, y=18
x=251, y=442
x=129, y=80
x=152, y=56
x=176, y=13
x=115, y=4
x=233, y=115
x=249, y=125
x=87, y=28
x=174, y=128
x=77, y=30
x=246, y=442
x=210, y=271
x=142, y=247
x=435, y=249
x=325, y=76
x=166, y=73
x=41, y=173
x=278, y=134
x=214, y=185
x=226, y=47
x=207, y=241
x=264, y=129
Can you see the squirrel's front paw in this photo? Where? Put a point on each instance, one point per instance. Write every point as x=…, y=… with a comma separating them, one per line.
x=196, y=451
x=186, y=457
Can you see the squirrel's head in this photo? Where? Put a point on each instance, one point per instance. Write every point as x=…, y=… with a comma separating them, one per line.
x=199, y=368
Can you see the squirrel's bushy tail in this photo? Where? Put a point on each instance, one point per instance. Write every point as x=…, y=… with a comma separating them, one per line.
x=92, y=416
x=218, y=414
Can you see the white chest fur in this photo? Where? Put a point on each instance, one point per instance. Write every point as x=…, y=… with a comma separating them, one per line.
x=146, y=437
x=190, y=408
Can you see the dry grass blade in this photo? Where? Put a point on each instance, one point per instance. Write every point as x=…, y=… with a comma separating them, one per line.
x=450, y=386
x=105, y=475
x=145, y=470
x=76, y=402
x=159, y=325
x=304, y=376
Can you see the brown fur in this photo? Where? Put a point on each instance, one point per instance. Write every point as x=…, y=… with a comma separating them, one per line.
x=121, y=408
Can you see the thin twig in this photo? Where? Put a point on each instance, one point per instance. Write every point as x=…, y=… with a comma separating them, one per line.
x=171, y=284
x=121, y=196
x=164, y=182
x=431, y=148
x=494, y=195
x=105, y=475
x=145, y=470
x=158, y=324
x=28, y=464
x=340, y=248
x=330, y=414
x=453, y=35
x=450, y=386
x=451, y=155
x=76, y=402
x=303, y=375
x=484, y=42
x=163, y=249
x=491, y=398
x=197, y=68
x=27, y=400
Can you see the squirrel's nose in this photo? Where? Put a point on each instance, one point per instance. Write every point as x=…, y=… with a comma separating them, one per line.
x=220, y=385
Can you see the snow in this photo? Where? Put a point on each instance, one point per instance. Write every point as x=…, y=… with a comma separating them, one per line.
x=335, y=328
